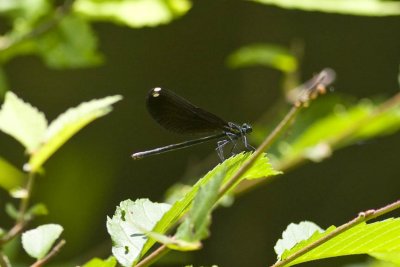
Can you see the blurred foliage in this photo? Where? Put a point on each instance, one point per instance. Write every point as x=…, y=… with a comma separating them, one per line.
x=38, y=242
x=358, y=7
x=267, y=55
x=10, y=176
x=63, y=37
x=133, y=13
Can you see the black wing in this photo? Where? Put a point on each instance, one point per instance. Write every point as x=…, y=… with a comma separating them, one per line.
x=178, y=115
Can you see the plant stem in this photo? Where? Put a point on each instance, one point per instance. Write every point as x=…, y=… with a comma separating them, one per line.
x=23, y=207
x=4, y=262
x=21, y=221
x=286, y=165
x=264, y=146
x=362, y=217
x=50, y=255
x=156, y=254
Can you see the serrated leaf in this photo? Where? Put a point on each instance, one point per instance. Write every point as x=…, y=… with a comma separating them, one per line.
x=260, y=169
x=378, y=237
x=66, y=125
x=96, y=262
x=10, y=176
x=125, y=227
x=267, y=55
x=195, y=226
x=38, y=242
x=294, y=234
x=133, y=13
x=359, y=7
x=72, y=44
x=22, y=121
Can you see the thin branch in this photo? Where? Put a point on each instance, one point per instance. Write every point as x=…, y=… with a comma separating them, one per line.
x=264, y=146
x=4, y=261
x=152, y=257
x=289, y=164
x=21, y=221
x=56, y=249
x=308, y=91
x=13, y=232
x=311, y=89
x=362, y=217
x=23, y=207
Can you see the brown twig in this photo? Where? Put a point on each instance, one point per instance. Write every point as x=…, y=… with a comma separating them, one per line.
x=286, y=165
x=362, y=217
x=152, y=257
x=56, y=249
x=308, y=91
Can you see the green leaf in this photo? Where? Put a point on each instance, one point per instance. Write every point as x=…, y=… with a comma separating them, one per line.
x=39, y=209
x=377, y=238
x=174, y=242
x=359, y=7
x=340, y=127
x=195, y=226
x=294, y=234
x=22, y=121
x=12, y=211
x=260, y=169
x=127, y=224
x=72, y=44
x=267, y=55
x=25, y=10
x=392, y=257
x=10, y=177
x=38, y=242
x=133, y=13
x=66, y=125
x=96, y=262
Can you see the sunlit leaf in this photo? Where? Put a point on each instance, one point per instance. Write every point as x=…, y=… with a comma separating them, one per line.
x=10, y=176
x=22, y=121
x=72, y=44
x=342, y=126
x=96, y=262
x=267, y=55
x=25, y=10
x=133, y=13
x=260, y=169
x=127, y=224
x=294, y=234
x=38, y=242
x=66, y=125
x=358, y=7
x=392, y=257
x=195, y=226
x=378, y=237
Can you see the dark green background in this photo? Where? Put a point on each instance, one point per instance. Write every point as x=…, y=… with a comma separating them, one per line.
x=93, y=172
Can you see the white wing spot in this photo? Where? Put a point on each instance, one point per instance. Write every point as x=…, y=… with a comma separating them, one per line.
x=156, y=91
